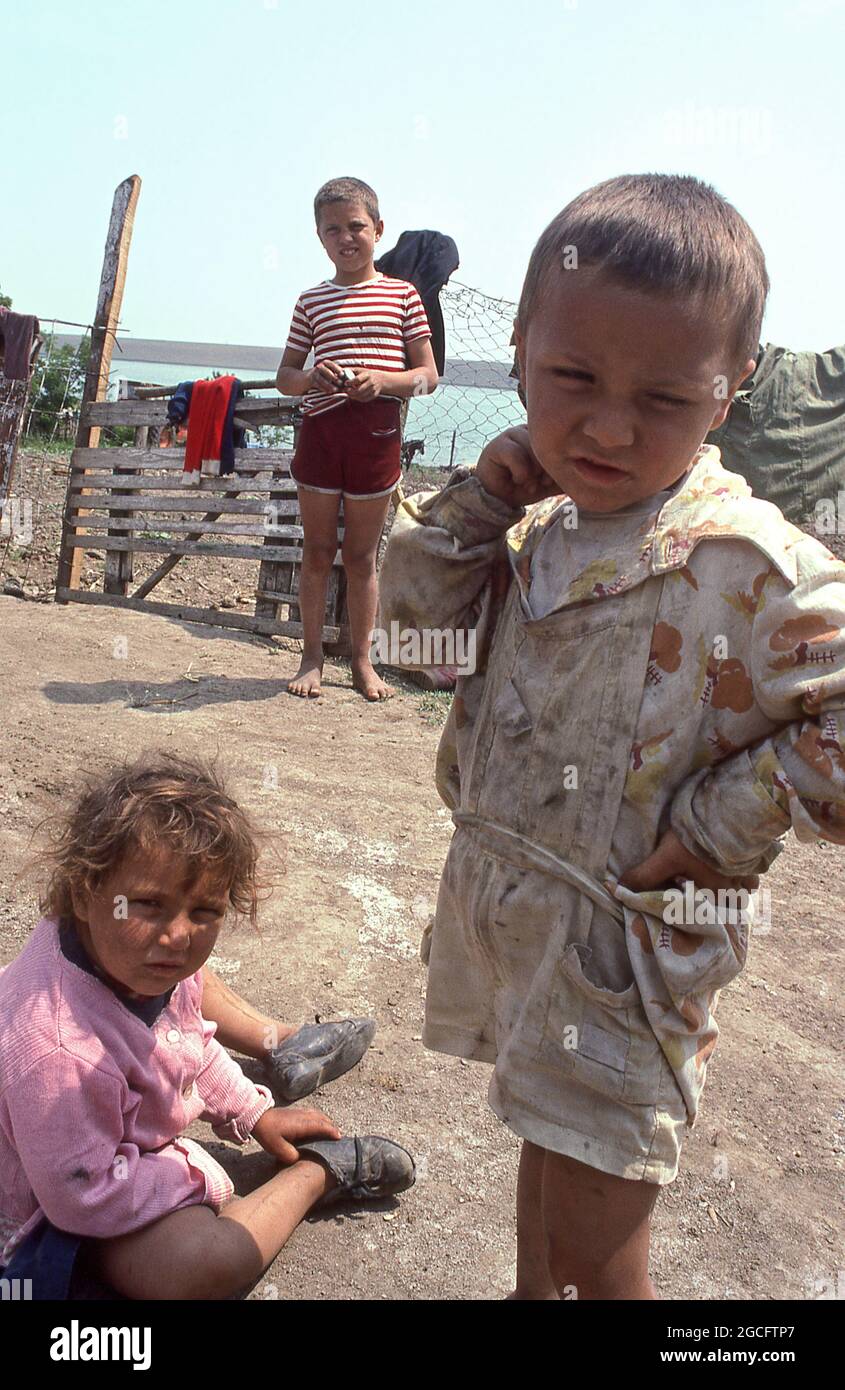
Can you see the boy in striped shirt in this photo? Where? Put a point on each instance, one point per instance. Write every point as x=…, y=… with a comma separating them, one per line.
x=372, y=350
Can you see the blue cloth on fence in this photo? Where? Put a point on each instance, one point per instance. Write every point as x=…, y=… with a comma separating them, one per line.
x=232, y=438
x=180, y=403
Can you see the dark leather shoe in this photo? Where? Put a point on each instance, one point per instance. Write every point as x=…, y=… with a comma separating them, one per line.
x=317, y=1053
x=365, y=1166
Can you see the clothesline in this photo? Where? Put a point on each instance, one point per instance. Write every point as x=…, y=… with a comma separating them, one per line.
x=70, y=323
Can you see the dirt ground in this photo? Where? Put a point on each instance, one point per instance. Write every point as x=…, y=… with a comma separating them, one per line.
x=347, y=789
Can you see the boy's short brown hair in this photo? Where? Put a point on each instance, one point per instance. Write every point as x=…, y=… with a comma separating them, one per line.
x=346, y=190
x=161, y=802
x=661, y=232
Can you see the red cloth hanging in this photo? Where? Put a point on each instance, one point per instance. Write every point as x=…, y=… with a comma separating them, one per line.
x=206, y=420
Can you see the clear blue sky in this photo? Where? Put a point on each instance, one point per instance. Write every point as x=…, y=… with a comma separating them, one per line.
x=476, y=118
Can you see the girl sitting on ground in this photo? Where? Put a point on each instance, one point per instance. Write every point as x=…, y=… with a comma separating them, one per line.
x=106, y=1058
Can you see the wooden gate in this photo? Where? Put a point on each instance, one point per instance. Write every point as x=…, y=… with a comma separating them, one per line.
x=117, y=497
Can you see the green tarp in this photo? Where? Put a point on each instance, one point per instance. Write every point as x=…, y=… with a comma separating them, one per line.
x=786, y=433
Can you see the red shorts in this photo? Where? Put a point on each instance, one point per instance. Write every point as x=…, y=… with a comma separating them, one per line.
x=353, y=449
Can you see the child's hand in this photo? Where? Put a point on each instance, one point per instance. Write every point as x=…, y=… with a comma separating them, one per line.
x=671, y=863
x=280, y=1129
x=507, y=469
x=366, y=386
x=325, y=376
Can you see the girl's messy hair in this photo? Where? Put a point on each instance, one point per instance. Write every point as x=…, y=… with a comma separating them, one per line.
x=663, y=232
x=160, y=802
x=346, y=190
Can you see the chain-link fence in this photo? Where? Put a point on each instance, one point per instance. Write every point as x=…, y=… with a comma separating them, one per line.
x=34, y=492
x=477, y=398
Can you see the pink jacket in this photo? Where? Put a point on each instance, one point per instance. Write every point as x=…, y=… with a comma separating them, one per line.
x=93, y=1101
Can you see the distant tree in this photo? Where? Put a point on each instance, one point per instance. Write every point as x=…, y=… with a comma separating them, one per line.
x=5, y=300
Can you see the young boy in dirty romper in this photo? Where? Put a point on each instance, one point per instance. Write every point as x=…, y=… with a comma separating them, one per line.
x=659, y=696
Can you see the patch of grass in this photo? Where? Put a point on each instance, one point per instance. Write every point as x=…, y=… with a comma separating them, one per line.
x=37, y=445
x=434, y=705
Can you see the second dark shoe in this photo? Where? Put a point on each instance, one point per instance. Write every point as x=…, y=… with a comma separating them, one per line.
x=317, y=1053
x=365, y=1166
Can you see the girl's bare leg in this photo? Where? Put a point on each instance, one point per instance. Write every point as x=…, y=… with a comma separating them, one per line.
x=363, y=525
x=319, y=546
x=193, y=1254
x=239, y=1025
x=597, y=1231
x=533, y=1279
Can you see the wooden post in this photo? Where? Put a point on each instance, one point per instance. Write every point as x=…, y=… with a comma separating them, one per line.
x=109, y=301
x=337, y=614
x=119, y=564
x=278, y=576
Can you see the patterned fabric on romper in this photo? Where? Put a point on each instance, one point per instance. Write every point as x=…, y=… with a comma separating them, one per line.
x=692, y=674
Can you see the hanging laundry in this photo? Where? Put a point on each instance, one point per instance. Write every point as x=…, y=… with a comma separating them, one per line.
x=426, y=259
x=212, y=436
x=17, y=332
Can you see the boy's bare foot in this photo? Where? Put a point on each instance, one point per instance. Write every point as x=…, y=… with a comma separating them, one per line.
x=307, y=683
x=366, y=680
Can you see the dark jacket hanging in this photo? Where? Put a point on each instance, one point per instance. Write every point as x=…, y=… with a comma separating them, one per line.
x=426, y=259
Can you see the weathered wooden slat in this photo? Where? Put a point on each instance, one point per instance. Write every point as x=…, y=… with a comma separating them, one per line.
x=134, y=412
x=140, y=526
x=165, y=527
x=212, y=617
x=146, y=495
x=226, y=552
x=210, y=489
x=252, y=414
x=171, y=460
x=273, y=596
x=148, y=393
x=261, y=492
x=145, y=503
x=124, y=413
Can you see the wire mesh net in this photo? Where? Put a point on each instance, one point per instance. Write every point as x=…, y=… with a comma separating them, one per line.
x=33, y=492
x=479, y=397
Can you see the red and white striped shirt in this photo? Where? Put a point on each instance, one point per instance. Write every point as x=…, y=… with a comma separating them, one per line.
x=358, y=326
